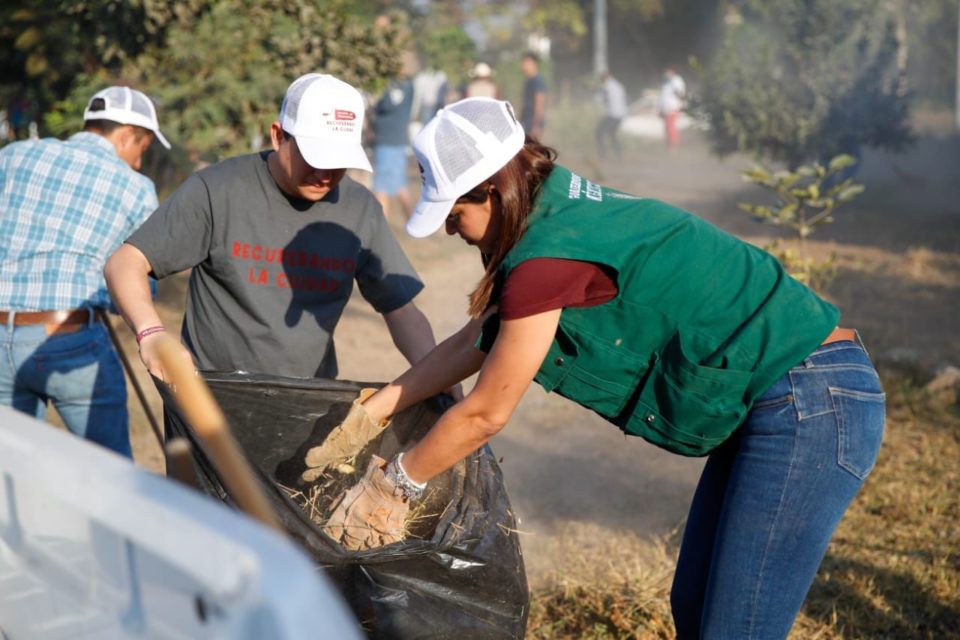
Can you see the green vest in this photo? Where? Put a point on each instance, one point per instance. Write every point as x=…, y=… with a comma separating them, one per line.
x=702, y=324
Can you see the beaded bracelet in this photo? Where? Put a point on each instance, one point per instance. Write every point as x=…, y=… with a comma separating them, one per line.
x=149, y=331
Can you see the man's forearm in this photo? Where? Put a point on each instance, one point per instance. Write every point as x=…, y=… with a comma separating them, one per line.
x=411, y=332
x=126, y=273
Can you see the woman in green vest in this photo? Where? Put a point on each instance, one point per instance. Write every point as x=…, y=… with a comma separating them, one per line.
x=666, y=326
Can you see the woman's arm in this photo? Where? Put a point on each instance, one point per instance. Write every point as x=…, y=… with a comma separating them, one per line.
x=448, y=364
x=508, y=370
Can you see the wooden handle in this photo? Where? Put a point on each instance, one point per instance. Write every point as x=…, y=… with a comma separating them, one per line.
x=180, y=462
x=204, y=415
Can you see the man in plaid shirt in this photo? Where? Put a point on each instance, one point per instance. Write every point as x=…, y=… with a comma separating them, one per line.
x=64, y=208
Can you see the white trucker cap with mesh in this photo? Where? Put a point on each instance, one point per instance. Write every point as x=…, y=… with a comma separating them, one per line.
x=325, y=116
x=126, y=106
x=463, y=145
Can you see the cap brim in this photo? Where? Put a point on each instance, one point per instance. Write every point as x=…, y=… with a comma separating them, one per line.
x=161, y=138
x=323, y=154
x=428, y=217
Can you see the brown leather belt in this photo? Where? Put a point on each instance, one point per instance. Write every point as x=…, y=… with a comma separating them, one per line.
x=55, y=321
x=839, y=334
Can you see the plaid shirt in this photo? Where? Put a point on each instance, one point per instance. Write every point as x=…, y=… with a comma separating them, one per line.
x=64, y=208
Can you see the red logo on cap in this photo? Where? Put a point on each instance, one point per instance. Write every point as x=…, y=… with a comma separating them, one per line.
x=343, y=114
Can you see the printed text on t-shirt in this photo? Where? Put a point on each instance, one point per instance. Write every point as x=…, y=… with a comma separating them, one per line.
x=292, y=258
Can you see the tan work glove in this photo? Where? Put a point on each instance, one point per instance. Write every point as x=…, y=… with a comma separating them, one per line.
x=371, y=513
x=345, y=441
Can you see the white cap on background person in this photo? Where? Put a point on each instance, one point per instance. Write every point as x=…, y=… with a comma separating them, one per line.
x=481, y=70
x=125, y=106
x=462, y=146
x=325, y=115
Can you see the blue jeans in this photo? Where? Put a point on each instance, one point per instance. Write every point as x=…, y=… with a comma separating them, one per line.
x=80, y=372
x=771, y=497
x=390, y=168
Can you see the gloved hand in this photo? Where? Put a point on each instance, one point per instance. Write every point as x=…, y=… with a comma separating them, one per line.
x=345, y=441
x=371, y=513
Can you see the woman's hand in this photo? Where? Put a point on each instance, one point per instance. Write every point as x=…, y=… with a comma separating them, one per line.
x=372, y=513
x=346, y=440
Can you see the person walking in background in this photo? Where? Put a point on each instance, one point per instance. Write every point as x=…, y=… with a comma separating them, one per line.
x=481, y=83
x=429, y=93
x=65, y=207
x=673, y=92
x=391, y=122
x=613, y=99
x=533, y=114
x=276, y=241
x=666, y=326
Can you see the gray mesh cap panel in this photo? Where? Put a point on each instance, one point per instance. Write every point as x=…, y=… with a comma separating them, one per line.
x=141, y=105
x=115, y=98
x=485, y=119
x=291, y=101
x=457, y=152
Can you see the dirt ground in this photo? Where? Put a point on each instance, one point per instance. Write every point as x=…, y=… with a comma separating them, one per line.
x=567, y=471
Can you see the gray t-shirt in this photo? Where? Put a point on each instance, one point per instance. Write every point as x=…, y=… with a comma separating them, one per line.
x=272, y=274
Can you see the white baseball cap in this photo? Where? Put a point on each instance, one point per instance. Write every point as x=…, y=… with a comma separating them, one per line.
x=463, y=145
x=325, y=115
x=481, y=70
x=126, y=106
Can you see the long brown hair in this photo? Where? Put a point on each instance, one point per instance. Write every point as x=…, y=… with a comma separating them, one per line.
x=516, y=186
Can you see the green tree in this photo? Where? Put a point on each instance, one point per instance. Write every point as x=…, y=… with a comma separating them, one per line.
x=441, y=40
x=805, y=200
x=221, y=67
x=802, y=80
x=46, y=44
x=932, y=65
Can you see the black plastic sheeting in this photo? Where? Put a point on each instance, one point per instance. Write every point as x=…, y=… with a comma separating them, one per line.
x=463, y=579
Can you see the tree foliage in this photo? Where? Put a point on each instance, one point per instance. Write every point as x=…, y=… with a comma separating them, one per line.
x=799, y=80
x=216, y=68
x=805, y=200
x=45, y=45
x=932, y=66
x=441, y=40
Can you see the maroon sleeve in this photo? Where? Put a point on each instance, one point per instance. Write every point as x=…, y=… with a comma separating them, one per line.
x=542, y=284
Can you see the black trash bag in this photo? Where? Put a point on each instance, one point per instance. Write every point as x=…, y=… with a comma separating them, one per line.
x=463, y=579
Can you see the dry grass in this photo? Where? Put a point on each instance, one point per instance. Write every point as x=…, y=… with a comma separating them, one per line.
x=891, y=572
x=608, y=585
x=319, y=499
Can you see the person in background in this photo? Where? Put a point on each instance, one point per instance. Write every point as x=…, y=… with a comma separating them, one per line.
x=276, y=241
x=65, y=207
x=481, y=83
x=613, y=100
x=666, y=326
x=391, y=122
x=429, y=92
x=673, y=92
x=533, y=114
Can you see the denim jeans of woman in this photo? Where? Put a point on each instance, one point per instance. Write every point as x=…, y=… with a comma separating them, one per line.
x=78, y=371
x=771, y=497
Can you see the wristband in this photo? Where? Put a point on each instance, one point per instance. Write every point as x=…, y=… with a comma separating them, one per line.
x=149, y=331
x=395, y=473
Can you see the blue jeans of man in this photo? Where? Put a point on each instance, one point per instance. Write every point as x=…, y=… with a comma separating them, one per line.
x=79, y=372
x=771, y=497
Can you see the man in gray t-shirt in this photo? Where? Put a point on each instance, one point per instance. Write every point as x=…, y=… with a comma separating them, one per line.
x=276, y=241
